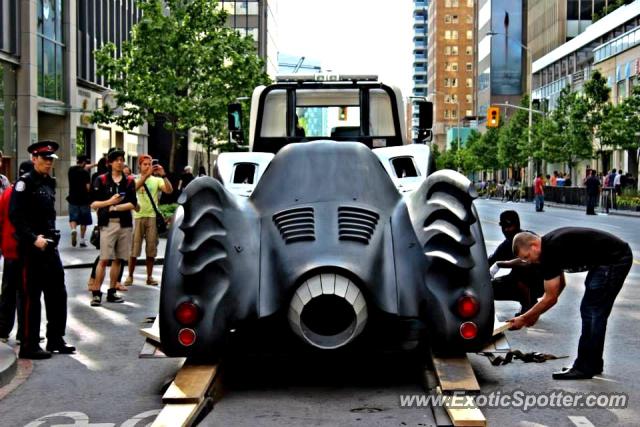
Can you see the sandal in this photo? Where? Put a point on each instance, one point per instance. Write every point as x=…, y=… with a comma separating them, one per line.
x=121, y=287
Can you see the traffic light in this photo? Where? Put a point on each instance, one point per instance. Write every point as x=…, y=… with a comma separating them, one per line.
x=342, y=114
x=493, y=117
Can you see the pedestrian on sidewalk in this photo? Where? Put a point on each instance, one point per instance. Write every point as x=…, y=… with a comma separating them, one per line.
x=32, y=212
x=12, y=270
x=151, y=181
x=538, y=191
x=114, y=198
x=573, y=249
x=593, y=191
x=79, y=200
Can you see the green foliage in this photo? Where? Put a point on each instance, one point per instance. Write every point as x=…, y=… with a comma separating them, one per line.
x=621, y=123
x=182, y=63
x=513, y=139
x=448, y=159
x=573, y=142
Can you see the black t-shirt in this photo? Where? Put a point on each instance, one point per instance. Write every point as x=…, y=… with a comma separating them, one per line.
x=576, y=249
x=592, y=183
x=186, y=178
x=104, y=188
x=79, y=177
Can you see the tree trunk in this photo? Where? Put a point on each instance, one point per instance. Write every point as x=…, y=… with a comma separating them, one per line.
x=208, y=159
x=172, y=152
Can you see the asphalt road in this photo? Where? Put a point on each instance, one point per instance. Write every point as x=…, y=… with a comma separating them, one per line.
x=105, y=384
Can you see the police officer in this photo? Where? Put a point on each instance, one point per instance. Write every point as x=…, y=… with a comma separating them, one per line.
x=32, y=212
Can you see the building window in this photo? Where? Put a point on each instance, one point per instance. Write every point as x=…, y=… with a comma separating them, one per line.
x=447, y=19
x=469, y=66
x=469, y=98
x=451, y=35
x=9, y=26
x=469, y=113
x=469, y=35
x=469, y=83
x=451, y=66
x=454, y=114
x=468, y=19
x=446, y=114
x=50, y=49
x=468, y=50
x=450, y=3
x=447, y=82
x=454, y=82
x=469, y=3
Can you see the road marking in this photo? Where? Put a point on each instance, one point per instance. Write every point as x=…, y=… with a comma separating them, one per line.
x=581, y=421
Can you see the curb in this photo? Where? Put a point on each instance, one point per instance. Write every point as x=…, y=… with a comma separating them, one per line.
x=630, y=214
x=139, y=261
x=8, y=364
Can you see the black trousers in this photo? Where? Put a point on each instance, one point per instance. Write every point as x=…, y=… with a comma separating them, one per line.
x=9, y=301
x=602, y=286
x=518, y=287
x=43, y=274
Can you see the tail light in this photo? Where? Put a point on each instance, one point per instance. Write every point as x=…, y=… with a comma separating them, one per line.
x=187, y=313
x=468, y=330
x=467, y=306
x=187, y=337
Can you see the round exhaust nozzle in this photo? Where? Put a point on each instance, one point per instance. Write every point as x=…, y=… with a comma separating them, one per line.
x=328, y=311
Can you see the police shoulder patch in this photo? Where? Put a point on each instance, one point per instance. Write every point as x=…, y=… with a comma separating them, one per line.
x=20, y=185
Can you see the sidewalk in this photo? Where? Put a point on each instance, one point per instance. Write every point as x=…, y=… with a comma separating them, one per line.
x=84, y=257
x=71, y=258
x=581, y=208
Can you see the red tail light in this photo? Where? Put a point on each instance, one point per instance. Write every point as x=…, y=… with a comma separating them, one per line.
x=187, y=313
x=468, y=330
x=467, y=306
x=187, y=337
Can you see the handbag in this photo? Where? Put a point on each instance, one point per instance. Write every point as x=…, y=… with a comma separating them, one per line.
x=94, y=239
x=161, y=222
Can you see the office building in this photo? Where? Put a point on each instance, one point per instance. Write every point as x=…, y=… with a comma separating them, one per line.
x=450, y=69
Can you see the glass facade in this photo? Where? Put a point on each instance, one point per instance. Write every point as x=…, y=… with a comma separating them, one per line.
x=244, y=16
x=8, y=129
x=101, y=22
x=9, y=26
x=617, y=45
x=50, y=49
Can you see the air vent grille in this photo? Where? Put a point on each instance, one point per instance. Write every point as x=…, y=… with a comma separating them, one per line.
x=356, y=224
x=296, y=225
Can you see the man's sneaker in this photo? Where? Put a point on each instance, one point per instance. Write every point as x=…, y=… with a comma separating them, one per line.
x=83, y=243
x=113, y=297
x=35, y=353
x=128, y=281
x=96, y=300
x=59, y=345
x=151, y=281
x=74, y=238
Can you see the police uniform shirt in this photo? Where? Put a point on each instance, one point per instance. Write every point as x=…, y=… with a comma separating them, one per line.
x=575, y=249
x=32, y=207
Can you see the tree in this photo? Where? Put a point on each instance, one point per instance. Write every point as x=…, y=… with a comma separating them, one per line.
x=182, y=64
x=573, y=141
x=487, y=149
x=513, y=140
x=621, y=126
x=596, y=95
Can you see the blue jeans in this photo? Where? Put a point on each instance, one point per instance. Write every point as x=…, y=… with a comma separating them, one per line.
x=539, y=202
x=602, y=286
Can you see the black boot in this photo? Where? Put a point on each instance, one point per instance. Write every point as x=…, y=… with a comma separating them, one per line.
x=113, y=297
x=35, y=353
x=59, y=345
x=96, y=299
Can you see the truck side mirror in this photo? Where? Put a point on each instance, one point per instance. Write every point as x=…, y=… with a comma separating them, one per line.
x=234, y=117
x=425, y=120
x=425, y=115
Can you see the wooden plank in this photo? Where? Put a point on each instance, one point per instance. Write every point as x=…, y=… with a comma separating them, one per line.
x=500, y=327
x=191, y=384
x=151, y=350
x=177, y=414
x=466, y=416
x=153, y=333
x=499, y=344
x=455, y=374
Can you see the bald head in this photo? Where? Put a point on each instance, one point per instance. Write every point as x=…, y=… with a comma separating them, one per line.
x=526, y=246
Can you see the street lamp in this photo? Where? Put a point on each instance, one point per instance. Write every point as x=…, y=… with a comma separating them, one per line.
x=530, y=85
x=434, y=92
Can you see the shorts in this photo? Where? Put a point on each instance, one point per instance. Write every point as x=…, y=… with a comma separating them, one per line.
x=145, y=228
x=80, y=214
x=115, y=241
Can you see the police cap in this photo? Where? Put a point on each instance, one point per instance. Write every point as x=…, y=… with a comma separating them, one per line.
x=46, y=149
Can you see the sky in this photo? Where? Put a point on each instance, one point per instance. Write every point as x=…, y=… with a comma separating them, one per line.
x=351, y=36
